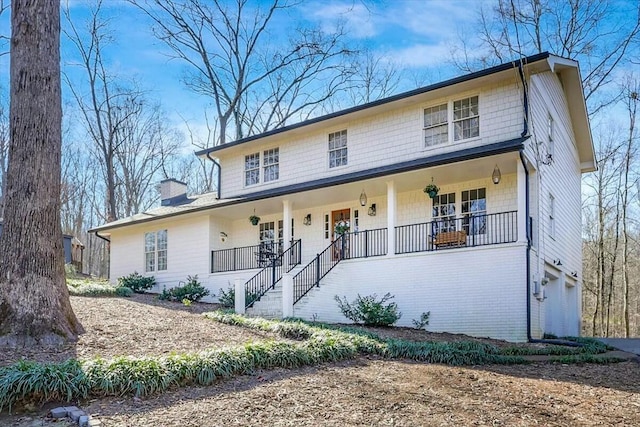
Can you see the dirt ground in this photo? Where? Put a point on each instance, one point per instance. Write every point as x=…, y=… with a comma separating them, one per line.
x=362, y=392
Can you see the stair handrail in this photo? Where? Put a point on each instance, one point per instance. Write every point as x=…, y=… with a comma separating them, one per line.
x=319, y=267
x=269, y=276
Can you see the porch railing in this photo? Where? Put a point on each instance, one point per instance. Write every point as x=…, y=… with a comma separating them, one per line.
x=244, y=258
x=361, y=244
x=472, y=230
x=269, y=276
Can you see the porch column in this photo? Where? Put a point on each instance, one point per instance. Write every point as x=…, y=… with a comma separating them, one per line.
x=522, y=203
x=391, y=218
x=287, y=213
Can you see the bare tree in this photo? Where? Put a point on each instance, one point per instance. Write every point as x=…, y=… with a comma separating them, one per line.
x=253, y=84
x=129, y=134
x=34, y=301
x=577, y=29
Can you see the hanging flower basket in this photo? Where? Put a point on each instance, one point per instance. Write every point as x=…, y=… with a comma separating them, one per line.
x=253, y=219
x=431, y=190
x=341, y=227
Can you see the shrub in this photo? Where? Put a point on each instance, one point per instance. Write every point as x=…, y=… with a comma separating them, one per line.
x=423, y=321
x=85, y=288
x=369, y=310
x=136, y=282
x=192, y=290
x=123, y=291
x=228, y=299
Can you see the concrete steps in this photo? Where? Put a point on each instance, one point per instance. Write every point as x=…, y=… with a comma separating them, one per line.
x=270, y=305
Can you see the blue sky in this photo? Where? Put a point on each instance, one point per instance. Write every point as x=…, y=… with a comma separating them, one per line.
x=408, y=32
x=416, y=35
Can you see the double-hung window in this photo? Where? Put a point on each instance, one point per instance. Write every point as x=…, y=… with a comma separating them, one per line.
x=444, y=213
x=466, y=118
x=338, y=149
x=252, y=169
x=552, y=216
x=474, y=211
x=271, y=164
x=155, y=251
x=436, y=125
x=268, y=236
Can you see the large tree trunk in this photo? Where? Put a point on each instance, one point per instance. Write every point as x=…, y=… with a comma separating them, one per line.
x=34, y=301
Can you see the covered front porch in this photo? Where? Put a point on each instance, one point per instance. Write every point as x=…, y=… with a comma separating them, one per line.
x=383, y=216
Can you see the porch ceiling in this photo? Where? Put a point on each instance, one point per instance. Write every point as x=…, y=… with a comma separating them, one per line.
x=375, y=187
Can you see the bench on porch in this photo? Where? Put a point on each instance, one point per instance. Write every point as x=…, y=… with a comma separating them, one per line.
x=451, y=239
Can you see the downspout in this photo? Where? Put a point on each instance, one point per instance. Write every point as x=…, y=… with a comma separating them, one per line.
x=219, y=175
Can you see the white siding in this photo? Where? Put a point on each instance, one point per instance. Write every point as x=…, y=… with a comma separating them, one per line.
x=561, y=179
x=187, y=251
x=475, y=291
x=387, y=138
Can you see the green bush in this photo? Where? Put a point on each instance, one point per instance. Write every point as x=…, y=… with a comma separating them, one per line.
x=192, y=291
x=227, y=298
x=136, y=282
x=123, y=291
x=369, y=310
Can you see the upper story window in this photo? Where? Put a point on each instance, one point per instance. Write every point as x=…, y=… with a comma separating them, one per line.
x=436, y=125
x=155, y=251
x=252, y=169
x=464, y=114
x=338, y=149
x=466, y=118
x=271, y=161
x=550, y=137
x=552, y=216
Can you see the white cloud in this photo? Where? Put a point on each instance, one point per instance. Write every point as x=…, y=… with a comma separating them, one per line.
x=421, y=55
x=356, y=17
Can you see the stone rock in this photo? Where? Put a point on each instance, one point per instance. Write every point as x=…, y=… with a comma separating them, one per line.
x=59, y=412
x=75, y=415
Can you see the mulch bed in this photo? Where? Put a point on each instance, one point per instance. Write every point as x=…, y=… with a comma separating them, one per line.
x=365, y=391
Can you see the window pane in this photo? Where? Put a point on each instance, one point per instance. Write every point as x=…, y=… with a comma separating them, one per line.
x=149, y=242
x=252, y=169
x=162, y=260
x=162, y=240
x=149, y=261
x=338, y=149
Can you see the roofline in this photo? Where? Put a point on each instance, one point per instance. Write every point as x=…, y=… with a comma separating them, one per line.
x=456, y=80
x=410, y=165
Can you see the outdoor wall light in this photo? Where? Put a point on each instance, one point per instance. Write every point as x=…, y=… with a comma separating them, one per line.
x=372, y=209
x=223, y=236
x=496, y=176
x=307, y=219
x=363, y=199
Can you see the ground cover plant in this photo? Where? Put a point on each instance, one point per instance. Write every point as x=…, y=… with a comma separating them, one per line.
x=92, y=288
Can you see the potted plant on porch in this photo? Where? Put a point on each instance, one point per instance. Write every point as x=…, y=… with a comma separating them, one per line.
x=431, y=190
x=254, y=219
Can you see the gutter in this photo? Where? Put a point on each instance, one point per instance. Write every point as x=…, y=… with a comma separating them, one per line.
x=97, y=232
x=215, y=162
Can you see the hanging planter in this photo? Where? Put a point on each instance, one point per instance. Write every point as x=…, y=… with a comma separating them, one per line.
x=431, y=190
x=254, y=219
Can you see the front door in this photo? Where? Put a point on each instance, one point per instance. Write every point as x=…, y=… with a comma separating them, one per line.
x=341, y=223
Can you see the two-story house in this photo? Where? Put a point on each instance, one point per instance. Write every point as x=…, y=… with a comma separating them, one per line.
x=338, y=207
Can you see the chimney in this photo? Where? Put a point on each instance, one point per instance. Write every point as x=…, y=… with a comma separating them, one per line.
x=172, y=192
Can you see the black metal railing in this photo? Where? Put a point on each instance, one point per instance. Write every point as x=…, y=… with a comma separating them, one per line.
x=245, y=258
x=270, y=275
x=447, y=233
x=361, y=244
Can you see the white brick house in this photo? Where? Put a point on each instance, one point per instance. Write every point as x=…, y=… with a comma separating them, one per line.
x=497, y=252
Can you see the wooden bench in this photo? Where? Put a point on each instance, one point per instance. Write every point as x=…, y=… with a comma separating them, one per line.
x=451, y=238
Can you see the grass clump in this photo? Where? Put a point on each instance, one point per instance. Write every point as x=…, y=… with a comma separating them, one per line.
x=91, y=288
